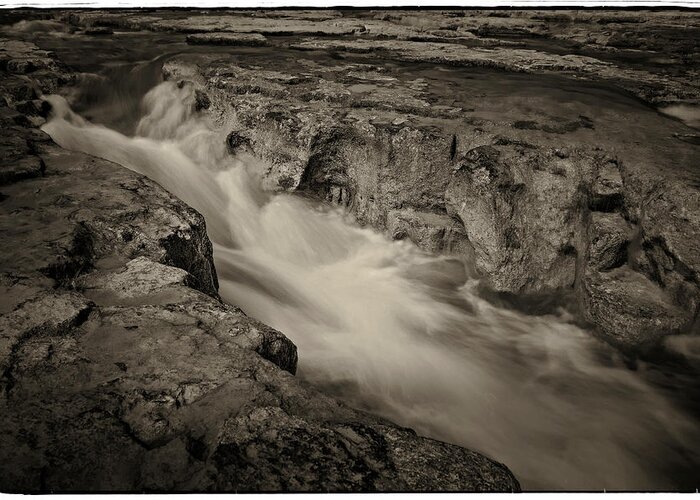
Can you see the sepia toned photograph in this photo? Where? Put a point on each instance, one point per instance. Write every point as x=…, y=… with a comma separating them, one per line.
x=284, y=249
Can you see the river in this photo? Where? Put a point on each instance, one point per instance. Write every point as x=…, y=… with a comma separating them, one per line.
x=381, y=324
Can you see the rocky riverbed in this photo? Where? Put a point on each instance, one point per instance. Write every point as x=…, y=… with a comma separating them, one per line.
x=122, y=370
x=554, y=152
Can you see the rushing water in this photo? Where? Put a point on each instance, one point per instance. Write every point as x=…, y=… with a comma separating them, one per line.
x=387, y=327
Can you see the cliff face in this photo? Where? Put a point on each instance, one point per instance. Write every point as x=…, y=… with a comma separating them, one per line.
x=121, y=369
x=556, y=183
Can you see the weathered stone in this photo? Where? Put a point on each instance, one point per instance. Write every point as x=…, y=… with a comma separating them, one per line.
x=520, y=219
x=233, y=23
x=607, y=189
x=201, y=100
x=433, y=232
x=235, y=141
x=393, y=451
x=98, y=30
x=45, y=314
x=610, y=236
x=630, y=310
x=23, y=168
x=21, y=57
x=649, y=86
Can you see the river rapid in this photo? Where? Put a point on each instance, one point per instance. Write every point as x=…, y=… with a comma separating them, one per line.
x=385, y=326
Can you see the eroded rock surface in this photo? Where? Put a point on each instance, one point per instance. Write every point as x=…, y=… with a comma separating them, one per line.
x=120, y=368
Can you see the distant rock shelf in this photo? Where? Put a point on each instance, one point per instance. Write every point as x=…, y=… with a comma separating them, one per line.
x=233, y=39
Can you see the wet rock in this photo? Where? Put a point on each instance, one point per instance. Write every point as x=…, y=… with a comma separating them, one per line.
x=520, y=218
x=143, y=281
x=235, y=141
x=19, y=57
x=610, y=235
x=177, y=238
x=652, y=87
x=196, y=23
x=607, y=189
x=377, y=168
x=44, y=314
x=414, y=462
x=433, y=232
x=630, y=310
x=23, y=168
x=33, y=107
x=667, y=208
x=140, y=279
x=16, y=88
x=201, y=101
x=392, y=451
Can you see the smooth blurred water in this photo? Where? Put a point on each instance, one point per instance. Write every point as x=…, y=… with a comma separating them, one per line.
x=401, y=333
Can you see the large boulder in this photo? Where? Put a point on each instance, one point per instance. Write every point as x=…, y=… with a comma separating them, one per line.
x=519, y=210
x=632, y=312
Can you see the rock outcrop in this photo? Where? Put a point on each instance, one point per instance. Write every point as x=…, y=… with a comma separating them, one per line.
x=121, y=369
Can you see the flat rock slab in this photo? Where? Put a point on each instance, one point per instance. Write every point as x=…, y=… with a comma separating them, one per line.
x=233, y=39
x=589, y=45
